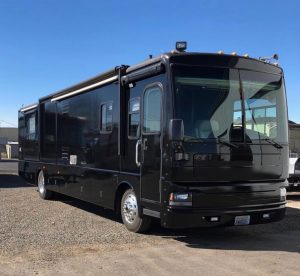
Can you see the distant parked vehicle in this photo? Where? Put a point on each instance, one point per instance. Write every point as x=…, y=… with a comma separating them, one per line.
x=294, y=171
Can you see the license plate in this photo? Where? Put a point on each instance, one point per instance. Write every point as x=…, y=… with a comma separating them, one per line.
x=242, y=220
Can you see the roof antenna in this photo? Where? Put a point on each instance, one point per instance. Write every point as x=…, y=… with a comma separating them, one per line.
x=150, y=56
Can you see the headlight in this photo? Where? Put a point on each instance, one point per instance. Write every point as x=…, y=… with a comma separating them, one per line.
x=282, y=194
x=181, y=199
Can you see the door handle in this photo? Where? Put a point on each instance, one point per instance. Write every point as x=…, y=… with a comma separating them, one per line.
x=138, y=143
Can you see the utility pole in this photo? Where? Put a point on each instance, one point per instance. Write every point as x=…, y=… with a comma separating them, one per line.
x=7, y=123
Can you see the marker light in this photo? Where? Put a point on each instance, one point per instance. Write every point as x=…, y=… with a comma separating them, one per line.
x=266, y=216
x=246, y=55
x=181, y=46
x=221, y=52
x=180, y=199
x=234, y=53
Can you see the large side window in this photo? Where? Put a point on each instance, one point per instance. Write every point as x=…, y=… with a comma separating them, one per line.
x=133, y=117
x=106, y=119
x=152, y=110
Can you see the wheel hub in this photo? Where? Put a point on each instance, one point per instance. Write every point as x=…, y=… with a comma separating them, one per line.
x=130, y=208
x=41, y=183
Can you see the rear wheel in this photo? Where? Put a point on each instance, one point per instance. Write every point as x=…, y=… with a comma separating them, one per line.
x=130, y=213
x=43, y=192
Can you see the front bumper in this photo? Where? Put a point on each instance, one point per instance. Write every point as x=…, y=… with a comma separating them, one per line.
x=194, y=217
x=261, y=201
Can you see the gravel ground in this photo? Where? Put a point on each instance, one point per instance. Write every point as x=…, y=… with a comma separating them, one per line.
x=67, y=236
x=61, y=227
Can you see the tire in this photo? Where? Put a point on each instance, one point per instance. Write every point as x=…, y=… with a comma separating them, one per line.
x=43, y=192
x=130, y=213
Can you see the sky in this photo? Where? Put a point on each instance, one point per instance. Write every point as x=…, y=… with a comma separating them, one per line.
x=48, y=45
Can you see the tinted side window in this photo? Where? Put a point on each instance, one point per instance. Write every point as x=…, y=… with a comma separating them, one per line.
x=30, y=129
x=134, y=117
x=48, y=130
x=152, y=109
x=106, y=122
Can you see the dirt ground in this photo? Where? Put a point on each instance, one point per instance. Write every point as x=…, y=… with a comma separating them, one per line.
x=68, y=237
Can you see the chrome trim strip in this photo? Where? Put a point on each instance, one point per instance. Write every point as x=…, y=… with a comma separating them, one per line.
x=28, y=107
x=84, y=89
x=151, y=213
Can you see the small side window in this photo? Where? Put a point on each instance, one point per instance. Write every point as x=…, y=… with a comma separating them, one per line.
x=32, y=126
x=106, y=117
x=133, y=117
x=30, y=122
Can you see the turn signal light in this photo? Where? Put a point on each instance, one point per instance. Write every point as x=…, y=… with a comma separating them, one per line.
x=181, y=199
x=282, y=194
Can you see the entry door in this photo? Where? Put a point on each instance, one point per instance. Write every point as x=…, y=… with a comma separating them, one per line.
x=151, y=142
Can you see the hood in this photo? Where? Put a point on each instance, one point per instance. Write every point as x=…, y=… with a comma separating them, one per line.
x=211, y=162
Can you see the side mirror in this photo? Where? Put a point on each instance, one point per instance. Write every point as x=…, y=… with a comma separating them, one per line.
x=176, y=130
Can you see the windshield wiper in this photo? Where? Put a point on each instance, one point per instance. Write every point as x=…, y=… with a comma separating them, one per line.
x=192, y=139
x=221, y=141
x=273, y=143
x=227, y=143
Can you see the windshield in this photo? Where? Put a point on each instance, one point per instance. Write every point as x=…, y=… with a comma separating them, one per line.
x=265, y=108
x=209, y=100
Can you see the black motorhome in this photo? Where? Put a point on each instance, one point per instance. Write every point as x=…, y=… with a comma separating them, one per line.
x=193, y=139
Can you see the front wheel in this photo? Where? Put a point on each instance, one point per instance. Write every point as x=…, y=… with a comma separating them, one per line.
x=43, y=192
x=130, y=213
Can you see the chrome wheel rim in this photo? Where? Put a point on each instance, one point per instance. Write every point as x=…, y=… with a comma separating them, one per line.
x=130, y=208
x=41, y=183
